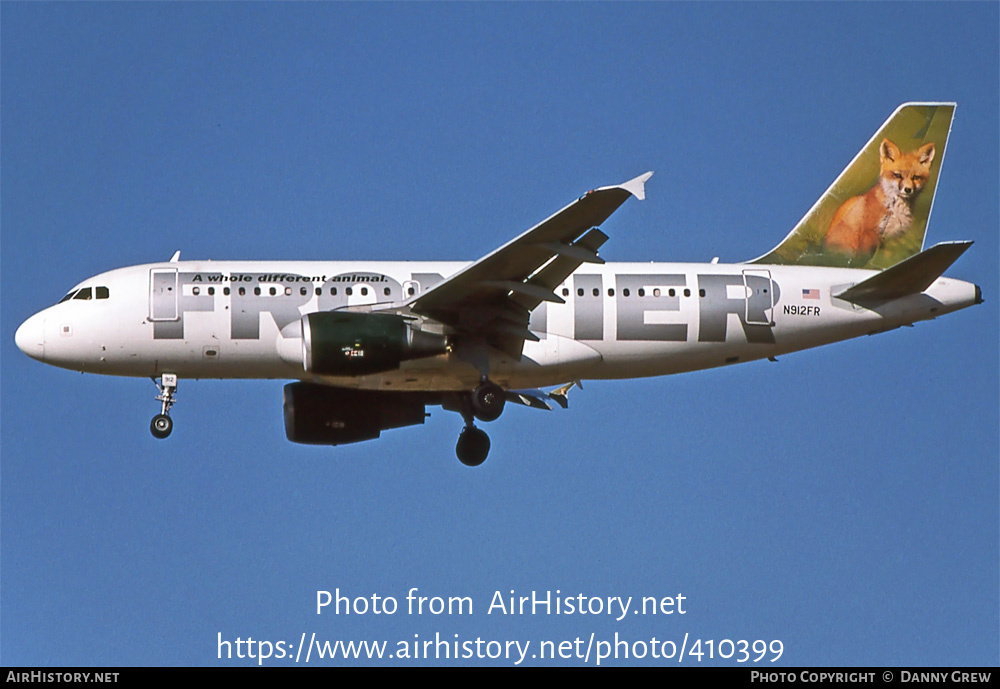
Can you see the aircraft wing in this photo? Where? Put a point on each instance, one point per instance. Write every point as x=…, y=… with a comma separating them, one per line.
x=492, y=299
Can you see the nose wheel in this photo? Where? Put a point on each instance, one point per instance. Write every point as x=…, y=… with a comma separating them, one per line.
x=162, y=424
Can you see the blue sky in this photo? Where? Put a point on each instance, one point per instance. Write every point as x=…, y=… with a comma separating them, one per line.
x=843, y=500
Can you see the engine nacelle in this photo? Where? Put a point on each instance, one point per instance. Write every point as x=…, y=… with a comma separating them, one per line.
x=345, y=343
x=321, y=415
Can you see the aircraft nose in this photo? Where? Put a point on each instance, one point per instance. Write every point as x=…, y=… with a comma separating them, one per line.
x=30, y=337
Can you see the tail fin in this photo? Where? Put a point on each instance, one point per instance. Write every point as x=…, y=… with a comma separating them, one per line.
x=876, y=212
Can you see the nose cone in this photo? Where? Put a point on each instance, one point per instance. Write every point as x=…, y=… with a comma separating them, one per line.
x=30, y=337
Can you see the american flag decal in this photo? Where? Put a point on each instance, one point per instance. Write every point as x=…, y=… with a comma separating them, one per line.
x=810, y=294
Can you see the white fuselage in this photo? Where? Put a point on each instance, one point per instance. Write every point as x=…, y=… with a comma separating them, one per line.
x=228, y=319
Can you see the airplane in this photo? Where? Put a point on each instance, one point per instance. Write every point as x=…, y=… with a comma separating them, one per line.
x=369, y=345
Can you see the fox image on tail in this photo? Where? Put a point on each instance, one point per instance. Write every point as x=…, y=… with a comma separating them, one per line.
x=863, y=223
x=876, y=212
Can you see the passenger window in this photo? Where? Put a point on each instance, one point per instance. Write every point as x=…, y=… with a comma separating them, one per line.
x=579, y=292
x=597, y=292
x=349, y=291
x=611, y=291
x=364, y=291
x=642, y=292
x=83, y=294
x=386, y=291
x=225, y=291
x=303, y=291
x=625, y=292
x=194, y=290
x=211, y=291
x=274, y=291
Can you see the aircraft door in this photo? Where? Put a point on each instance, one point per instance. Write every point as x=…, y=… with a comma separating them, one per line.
x=163, y=294
x=759, y=288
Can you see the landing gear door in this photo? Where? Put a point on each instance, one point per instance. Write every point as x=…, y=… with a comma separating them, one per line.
x=163, y=294
x=760, y=297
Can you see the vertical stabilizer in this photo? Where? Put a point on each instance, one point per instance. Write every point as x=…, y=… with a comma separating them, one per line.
x=876, y=212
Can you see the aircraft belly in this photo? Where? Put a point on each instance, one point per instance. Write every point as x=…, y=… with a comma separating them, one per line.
x=550, y=361
x=556, y=351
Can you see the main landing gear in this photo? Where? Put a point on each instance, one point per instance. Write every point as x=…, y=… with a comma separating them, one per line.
x=486, y=403
x=162, y=424
x=473, y=446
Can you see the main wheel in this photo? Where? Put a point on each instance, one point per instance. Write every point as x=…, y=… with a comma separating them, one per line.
x=160, y=426
x=488, y=401
x=473, y=446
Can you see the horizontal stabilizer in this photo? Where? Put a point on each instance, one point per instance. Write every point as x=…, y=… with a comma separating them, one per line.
x=539, y=399
x=911, y=276
x=529, y=398
x=561, y=394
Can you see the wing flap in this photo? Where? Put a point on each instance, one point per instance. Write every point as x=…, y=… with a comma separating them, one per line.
x=514, y=279
x=526, y=288
x=563, y=265
x=519, y=258
x=575, y=251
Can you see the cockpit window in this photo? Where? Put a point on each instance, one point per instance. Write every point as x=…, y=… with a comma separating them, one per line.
x=87, y=293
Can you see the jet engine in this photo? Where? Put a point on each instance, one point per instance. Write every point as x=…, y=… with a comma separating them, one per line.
x=322, y=415
x=344, y=343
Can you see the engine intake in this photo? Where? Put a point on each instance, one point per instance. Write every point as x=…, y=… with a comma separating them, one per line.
x=344, y=343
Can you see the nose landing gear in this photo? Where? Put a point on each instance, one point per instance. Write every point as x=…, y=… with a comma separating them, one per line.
x=162, y=424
